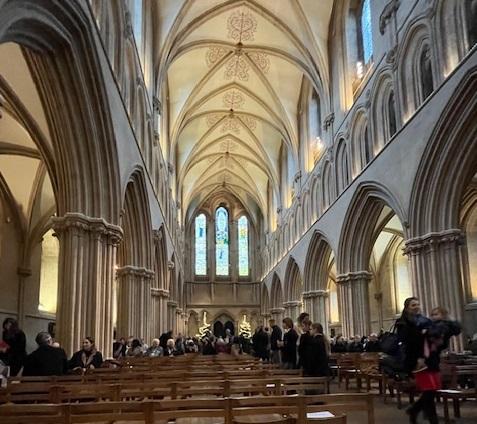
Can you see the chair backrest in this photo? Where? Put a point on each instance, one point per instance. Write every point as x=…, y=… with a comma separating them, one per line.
x=338, y=419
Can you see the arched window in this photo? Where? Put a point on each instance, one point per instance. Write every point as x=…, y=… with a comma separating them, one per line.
x=402, y=284
x=314, y=116
x=200, y=245
x=425, y=69
x=366, y=32
x=221, y=242
x=50, y=250
x=391, y=114
x=367, y=146
x=243, y=246
x=136, y=16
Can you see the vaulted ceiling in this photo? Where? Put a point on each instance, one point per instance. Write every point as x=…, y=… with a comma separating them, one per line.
x=233, y=71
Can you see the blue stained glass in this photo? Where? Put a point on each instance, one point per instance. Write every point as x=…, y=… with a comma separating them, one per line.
x=366, y=31
x=221, y=242
x=137, y=23
x=243, y=246
x=200, y=245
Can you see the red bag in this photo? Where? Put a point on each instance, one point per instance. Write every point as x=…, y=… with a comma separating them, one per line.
x=428, y=380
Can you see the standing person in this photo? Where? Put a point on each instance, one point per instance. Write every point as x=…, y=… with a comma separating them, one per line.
x=320, y=349
x=275, y=337
x=46, y=360
x=305, y=348
x=260, y=343
x=86, y=358
x=14, y=346
x=288, y=345
x=410, y=327
x=428, y=379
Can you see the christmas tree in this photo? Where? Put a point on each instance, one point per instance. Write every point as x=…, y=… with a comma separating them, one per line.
x=245, y=328
x=204, y=328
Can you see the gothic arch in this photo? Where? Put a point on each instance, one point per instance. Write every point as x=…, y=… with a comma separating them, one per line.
x=293, y=282
x=448, y=164
x=358, y=232
x=265, y=300
x=342, y=169
x=316, y=273
x=276, y=292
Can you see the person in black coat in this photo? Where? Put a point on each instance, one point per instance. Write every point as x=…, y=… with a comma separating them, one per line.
x=372, y=344
x=14, y=351
x=288, y=345
x=260, y=343
x=86, y=358
x=305, y=348
x=46, y=360
x=317, y=365
x=275, y=337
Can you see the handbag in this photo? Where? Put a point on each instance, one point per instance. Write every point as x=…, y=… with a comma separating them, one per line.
x=428, y=380
x=390, y=342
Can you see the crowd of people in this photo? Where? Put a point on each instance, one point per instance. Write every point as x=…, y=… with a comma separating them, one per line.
x=412, y=349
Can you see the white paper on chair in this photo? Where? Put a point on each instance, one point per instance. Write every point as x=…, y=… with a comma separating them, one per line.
x=321, y=414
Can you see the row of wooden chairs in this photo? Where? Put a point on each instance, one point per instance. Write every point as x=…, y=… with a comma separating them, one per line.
x=226, y=410
x=56, y=393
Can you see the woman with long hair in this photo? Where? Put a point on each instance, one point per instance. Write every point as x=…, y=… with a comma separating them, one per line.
x=86, y=358
x=13, y=349
x=288, y=345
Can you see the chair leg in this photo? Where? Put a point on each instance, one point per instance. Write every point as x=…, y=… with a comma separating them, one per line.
x=456, y=407
x=446, y=410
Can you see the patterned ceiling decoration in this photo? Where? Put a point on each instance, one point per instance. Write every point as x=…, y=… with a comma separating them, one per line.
x=241, y=26
x=230, y=122
x=261, y=60
x=213, y=55
x=228, y=145
x=237, y=67
x=233, y=100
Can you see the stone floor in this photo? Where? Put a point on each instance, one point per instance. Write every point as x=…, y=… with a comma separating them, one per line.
x=388, y=413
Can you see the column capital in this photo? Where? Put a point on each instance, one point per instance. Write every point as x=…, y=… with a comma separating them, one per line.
x=135, y=271
x=79, y=222
x=354, y=276
x=172, y=304
x=292, y=303
x=430, y=240
x=159, y=292
x=24, y=272
x=277, y=310
x=179, y=311
x=311, y=294
x=266, y=316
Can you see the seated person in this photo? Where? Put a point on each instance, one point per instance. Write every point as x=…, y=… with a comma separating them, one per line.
x=155, y=350
x=47, y=359
x=135, y=349
x=86, y=358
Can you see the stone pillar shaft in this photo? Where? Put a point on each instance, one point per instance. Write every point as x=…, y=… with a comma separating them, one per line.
x=317, y=307
x=435, y=262
x=85, y=281
x=354, y=303
x=278, y=315
x=134, y=302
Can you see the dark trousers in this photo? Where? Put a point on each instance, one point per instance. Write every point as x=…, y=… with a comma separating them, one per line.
x=427, y=404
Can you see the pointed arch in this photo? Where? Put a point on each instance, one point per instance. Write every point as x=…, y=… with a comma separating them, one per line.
x=293, y=282
x=276, y=292
x=316, y=272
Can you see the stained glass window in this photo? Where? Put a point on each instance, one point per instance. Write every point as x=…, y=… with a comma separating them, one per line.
x=200, y=245
x=243, y=246
x=221, y=242
x=366, y=31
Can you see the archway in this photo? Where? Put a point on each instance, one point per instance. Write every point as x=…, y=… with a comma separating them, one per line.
x=441, y=208
x=293, y=290
x=276, y=298
x=370, y=210
x=135, y=263
x=55, y=40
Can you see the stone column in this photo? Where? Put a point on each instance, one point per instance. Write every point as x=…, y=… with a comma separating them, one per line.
x=178, y=327
x=278, y=315
x=266, y=318
x=23, y=274
x=317, y=306
x=293, y=309
x=354, y=303
x=435, y=263
x=85, y=280
x=134, y=302
x=171, y=316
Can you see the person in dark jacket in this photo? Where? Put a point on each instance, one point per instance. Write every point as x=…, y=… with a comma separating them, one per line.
x=372, y=344
x=305, y=348
x=355, y=345
x=288, y=346
x=275, y=337
x=260, y=343
x=46, y=360
x=340, y=345
x=14, y=351
x=164, y=338
x=410, y=328
x=86, y=358
x=120, y=348
x=317, y=364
